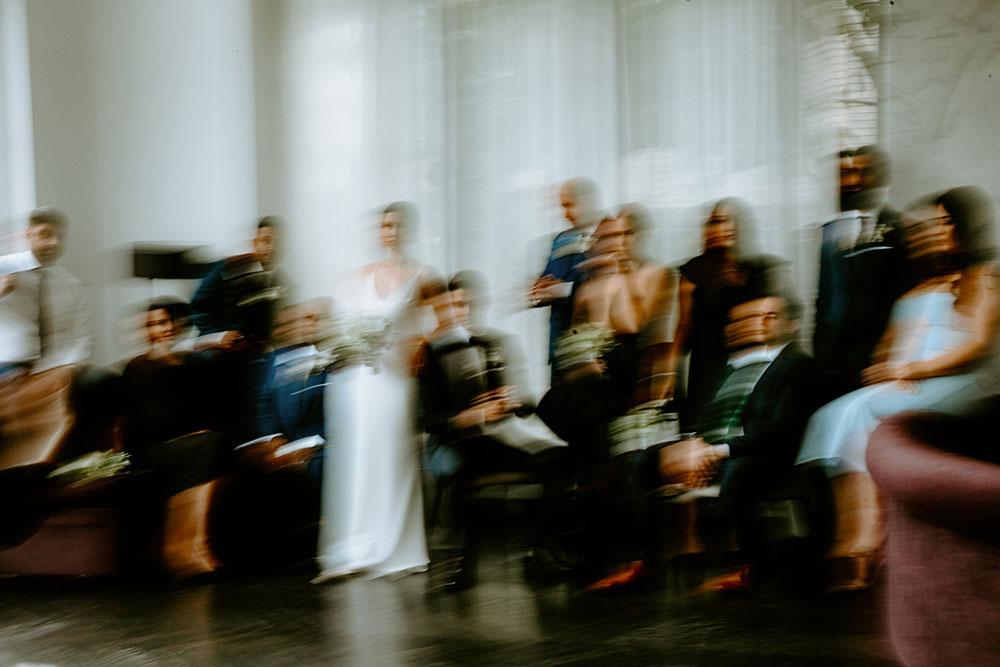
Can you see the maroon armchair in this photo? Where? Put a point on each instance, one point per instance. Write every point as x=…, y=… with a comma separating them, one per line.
x=943, y=537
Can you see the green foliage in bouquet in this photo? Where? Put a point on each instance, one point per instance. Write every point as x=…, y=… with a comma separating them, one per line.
x=95, y=465
x=355, y=338
x=583, y=344
x=641, y=428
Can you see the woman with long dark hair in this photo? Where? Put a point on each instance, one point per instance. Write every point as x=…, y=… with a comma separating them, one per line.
x=711, y=284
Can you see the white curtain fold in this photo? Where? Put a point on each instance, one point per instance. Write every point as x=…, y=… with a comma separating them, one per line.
x=17, y=166
x=476, y=111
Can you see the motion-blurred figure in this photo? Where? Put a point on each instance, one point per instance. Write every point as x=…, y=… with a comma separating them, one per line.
x=470, y=398
x=373, y=518
x=45, y=336
x=749, y=432
x=237, y=300
x=861, y=264
x=711, y=284
x=627, y=298
x=290, y=393
x=169, y=426
x=234, y=309
x=939, y=330
x=581, y=201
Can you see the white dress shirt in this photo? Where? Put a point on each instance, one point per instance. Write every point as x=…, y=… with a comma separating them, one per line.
x=69, y=338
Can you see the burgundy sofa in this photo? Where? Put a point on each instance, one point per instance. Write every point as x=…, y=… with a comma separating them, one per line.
x=943, y=565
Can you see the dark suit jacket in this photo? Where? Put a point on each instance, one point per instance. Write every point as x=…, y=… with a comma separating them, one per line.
x=237, y=294
x=289, y=403
x=453, y=375
x=857, y=288
x=775, y=414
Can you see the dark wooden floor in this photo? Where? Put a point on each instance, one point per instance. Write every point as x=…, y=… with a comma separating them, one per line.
x=283, y=620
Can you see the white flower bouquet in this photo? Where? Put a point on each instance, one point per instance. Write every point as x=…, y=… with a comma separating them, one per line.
x=641, y=428
x=582, y=345
x=354, y=339
x=95, y=465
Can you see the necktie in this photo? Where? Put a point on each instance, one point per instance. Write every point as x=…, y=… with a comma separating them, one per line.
x=44, y=327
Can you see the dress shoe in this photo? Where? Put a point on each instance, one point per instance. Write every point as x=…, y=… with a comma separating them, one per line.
x=736, y=581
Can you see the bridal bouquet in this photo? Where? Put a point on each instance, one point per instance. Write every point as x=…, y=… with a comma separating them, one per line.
x=354, y=338
x=582, y=345
x=96, y=465
x=641, y=428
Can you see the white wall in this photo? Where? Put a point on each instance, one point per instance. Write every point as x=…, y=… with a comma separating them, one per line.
x=944, y=107
x=144, y=131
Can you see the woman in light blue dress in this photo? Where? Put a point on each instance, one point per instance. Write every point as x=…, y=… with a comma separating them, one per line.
x=937, y=332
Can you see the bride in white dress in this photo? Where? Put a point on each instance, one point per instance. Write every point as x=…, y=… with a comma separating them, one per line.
x=373, y=518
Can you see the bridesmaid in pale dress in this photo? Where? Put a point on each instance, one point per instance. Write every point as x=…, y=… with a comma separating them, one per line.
x=937, y=332
x=372, y=504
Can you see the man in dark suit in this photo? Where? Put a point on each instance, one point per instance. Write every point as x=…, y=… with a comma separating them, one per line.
x=234, y=308
x=750, y=431
x=472, y=399
x=238, y=298
x=291, y=388
x=581, y=200
x=861, y=271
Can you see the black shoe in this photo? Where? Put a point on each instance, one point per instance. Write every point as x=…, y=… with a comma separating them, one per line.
x=459, y=574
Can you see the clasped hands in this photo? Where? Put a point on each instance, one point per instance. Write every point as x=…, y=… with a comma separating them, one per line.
x=691, y=463
x=889, y=371
x=488, y=407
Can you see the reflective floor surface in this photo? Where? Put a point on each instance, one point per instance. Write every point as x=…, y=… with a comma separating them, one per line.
x=283, y=620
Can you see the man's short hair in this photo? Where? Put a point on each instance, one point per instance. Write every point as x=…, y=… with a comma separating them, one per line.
x=793, y=307
x=880, y=162
x=434, y=287
x=472, y=282
x=177, y=308
x=47, y=215
x=270, y=222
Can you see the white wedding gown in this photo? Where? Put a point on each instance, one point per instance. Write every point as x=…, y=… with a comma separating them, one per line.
x=372, y=504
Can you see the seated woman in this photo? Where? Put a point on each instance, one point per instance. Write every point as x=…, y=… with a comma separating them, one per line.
x=167, y=428
x=629, y=297
x=937, y=331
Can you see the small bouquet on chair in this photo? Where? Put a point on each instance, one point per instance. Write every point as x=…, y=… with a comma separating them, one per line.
x=95, y=465
x=642, y=427
x=583, y=346
x=354, y=339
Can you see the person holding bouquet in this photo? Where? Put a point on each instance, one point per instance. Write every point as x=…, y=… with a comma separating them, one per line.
x=372, y=506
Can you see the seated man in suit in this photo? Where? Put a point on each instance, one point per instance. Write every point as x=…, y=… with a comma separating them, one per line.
x=290, y=392
x=234, y=308
x=470, y=401
x=750, y=431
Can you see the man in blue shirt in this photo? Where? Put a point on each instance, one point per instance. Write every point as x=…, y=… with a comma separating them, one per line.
x=581, y=200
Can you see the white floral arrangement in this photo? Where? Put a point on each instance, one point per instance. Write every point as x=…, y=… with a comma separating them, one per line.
x=95, y=465
x=582, y=345
x=354, y=339
x=641, y=428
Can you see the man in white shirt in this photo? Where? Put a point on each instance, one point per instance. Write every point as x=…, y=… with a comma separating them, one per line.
x=44, y=322
x=45, y=336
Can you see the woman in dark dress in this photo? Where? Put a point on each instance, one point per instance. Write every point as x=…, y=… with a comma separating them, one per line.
x=168, y=429
x=711, y=284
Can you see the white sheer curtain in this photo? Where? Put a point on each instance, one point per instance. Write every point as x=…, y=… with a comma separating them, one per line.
x=17, y=167
x=477, y=111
